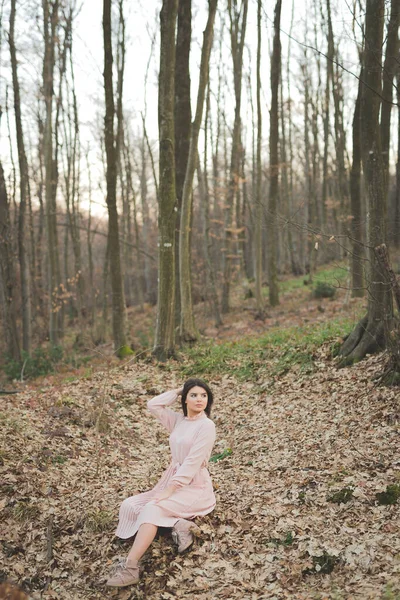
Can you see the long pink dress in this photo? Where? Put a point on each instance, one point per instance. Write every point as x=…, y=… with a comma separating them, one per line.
x=191, y=442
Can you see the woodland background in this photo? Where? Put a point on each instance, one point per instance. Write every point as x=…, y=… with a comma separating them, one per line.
x=224, y=205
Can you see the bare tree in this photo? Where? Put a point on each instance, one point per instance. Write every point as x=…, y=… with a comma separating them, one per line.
x=259, y=208
x=272, y=222
x=50, y=22
x=188, y=330
x=182, y=123
x=7, y=276
x=369, y=334
x=24, y=183
x=164, y=344
x=238, y=23
x=118, y=301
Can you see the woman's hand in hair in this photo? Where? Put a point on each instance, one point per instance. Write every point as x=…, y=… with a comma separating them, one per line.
x=179, y=391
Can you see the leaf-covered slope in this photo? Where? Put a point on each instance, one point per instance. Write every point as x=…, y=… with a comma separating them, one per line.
x=72, y=453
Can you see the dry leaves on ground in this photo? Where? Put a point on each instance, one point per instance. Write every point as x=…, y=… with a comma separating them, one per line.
x=273, y=535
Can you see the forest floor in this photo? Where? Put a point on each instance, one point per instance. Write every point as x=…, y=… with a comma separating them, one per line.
x=292, y=432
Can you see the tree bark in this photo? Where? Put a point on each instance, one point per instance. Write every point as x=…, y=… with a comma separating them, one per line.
x=259, y=208
x=237, y=34
x=272, y=221
x=206, y=200
x=188, y=329
x=389, y=71
x=369, y=334
x=55, y=310
x=396, y=208
x=7, y=276
x=357, y=255
x=24, y=182
x=164, y=344
x=182, y=124
x=118, y=301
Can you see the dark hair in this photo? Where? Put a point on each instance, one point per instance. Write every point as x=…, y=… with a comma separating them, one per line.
x=191, y=383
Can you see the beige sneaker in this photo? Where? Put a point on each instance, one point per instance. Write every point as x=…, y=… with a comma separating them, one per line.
x=183, y=534
x=126, y=573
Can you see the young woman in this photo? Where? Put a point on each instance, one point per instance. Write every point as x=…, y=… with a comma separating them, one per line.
x=184, y=491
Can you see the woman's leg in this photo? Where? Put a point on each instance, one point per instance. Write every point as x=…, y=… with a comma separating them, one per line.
x=144, y=537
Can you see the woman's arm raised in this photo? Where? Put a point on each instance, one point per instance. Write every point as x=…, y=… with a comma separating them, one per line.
x=158, y=406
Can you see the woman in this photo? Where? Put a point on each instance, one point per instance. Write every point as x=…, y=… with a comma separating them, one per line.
x=184, y=490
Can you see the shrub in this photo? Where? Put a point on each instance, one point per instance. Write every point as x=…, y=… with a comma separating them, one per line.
x=391, y=495
x=41, y=362
x=341, y=496
x=324, y=290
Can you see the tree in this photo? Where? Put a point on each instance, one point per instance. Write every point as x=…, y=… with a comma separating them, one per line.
x=118, y=301
x=369, y=334
x=259, y=205
x=164, y=343
x=50, y=22
x=272, y=223
x=182, y=125
x=24, y=183
x=238, y=23
x=7, y=276
x=357, y=255
x=188, y=330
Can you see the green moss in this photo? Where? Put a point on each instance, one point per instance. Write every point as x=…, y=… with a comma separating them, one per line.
x=125, y=351
x=389, y=497
x=341, y=496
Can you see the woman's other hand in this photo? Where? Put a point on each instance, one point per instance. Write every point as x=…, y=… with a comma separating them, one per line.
x=166, y=493
x=179, y=391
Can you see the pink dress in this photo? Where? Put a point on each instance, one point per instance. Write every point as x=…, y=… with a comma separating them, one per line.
x=191, y=442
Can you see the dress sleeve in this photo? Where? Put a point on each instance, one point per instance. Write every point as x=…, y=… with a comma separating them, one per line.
x=198, y=456
x=158, y=406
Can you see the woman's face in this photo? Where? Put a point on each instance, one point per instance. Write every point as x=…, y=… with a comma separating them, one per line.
x=196, y=400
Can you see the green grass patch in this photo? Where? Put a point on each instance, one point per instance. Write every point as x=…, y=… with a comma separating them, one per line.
x=273, y=353
x=334, y=276
x=217, y=457
x=390, y=496
x=100, y=520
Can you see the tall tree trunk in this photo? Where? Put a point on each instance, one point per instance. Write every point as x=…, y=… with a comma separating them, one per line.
x=146, y=219
x=389, y=72
x=50, y=14
x=396, y=211
x=188, y=329
x=272, y=222
x=357, y=256
x=75, y=230
x=24, y=177
x=369, y=335
x=164, y=344
x=238, y=25
x=326, y=114
x=118, y=302
x=206, y=200
x=183, y=122
x=259, y=208
x=56, y=308
x=7, y=275
x=89, y=248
